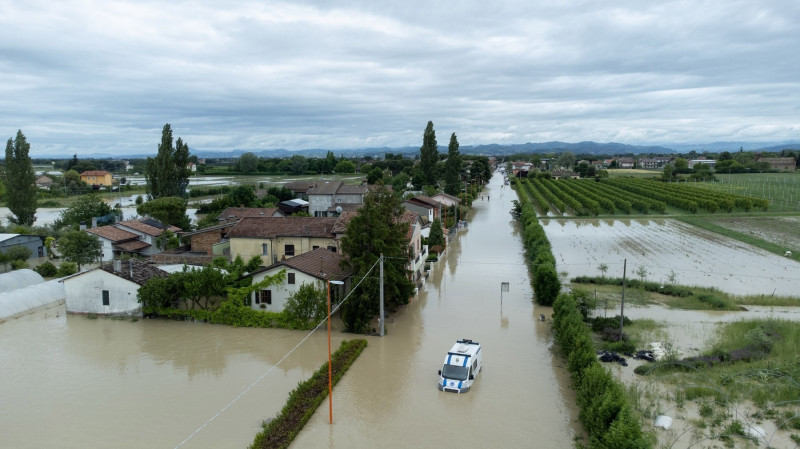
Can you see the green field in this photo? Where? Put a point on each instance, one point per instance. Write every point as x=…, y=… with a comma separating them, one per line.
x=781, y=189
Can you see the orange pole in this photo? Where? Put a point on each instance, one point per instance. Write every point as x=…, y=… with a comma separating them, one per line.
x=330, y=369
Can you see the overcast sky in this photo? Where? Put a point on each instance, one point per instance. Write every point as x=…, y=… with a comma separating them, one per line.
x=105, y=76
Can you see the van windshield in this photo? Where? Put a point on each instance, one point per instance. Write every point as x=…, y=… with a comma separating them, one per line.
x=455, y=372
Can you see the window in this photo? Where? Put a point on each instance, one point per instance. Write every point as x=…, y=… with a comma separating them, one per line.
x=288, y=250
x=265, y=249
x=332, y=248
x=264, y=297
x=106, y=299
x=291, y=278
x=315, y=247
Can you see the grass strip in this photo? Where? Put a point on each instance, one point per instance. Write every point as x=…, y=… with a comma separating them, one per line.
x=304, y=400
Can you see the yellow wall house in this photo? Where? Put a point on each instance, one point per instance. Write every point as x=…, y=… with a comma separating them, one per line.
x=275, y=239
x=96, y=177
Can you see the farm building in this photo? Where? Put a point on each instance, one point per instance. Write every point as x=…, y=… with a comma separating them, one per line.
x=110, y=289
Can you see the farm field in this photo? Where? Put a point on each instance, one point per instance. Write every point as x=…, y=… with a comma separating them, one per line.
x=660, y=246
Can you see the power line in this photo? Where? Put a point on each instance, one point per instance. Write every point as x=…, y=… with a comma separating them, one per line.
x=240, y=395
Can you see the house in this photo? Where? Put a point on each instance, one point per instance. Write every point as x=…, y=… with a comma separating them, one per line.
x=115, y=241
x=110, y=289
x=279, y=238
x=137, y=236
x=625, y=162
x=34, y=243
x=44, y=182
x=564, y=174
x=417, y=253
x=299, y=188
x=233, y=214
x=446, y=199
x=780, y=163
x=96, y=177
x=710, y=163
x=314, y=267
x=428, y=208
x=330, y=198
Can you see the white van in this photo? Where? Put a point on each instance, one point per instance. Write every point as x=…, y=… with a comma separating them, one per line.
x=461, y=365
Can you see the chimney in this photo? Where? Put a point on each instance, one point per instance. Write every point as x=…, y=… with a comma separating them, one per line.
x=94, y=222
x=83, y=226
x=117, y=265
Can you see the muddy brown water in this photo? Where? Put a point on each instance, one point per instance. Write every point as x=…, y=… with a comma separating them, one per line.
x=68, y=381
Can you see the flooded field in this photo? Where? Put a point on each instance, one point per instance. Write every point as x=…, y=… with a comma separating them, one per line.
x=778, y=230
x=662, y=247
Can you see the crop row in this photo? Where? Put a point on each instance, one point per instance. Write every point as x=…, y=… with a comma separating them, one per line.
x=586, y=198
x=688, y=198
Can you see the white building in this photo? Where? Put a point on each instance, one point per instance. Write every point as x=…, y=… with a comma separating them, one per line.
x=110, y=289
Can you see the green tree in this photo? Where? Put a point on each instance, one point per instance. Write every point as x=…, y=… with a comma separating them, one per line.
x=298, y=164
x=158, y=292
x=242, y=196
x=452, y=167
x=566, y=160
x=248, y=163
x=72, y=182
x=307, y=306
x=436, y=236
x=429, y=155
x=376, y=230
x=681, y=165
x=18, y=253
x=83, y=210
x=345, y=167
x=79, y=247
x=200, y=286
x=168, y=174
x=168, y=210
x=20, y=182
x=374, y=176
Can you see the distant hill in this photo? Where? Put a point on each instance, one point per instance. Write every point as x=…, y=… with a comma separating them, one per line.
x=588, y=147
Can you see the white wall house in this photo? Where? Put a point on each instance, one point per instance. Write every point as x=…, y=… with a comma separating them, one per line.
x=314, y=267
x=110, y=289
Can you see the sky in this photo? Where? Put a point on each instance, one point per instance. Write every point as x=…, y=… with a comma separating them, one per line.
x=86, y=77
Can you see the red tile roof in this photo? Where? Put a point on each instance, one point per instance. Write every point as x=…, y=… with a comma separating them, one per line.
x=137, y=225
x=270, y=227
x=321, y=263
x=241, y=212
x=113, y=233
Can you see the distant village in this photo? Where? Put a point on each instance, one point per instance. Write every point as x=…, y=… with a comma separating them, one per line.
x=301, y=234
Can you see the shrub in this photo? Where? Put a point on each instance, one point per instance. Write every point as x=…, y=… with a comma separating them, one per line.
x=66, y=269
x=46, y=270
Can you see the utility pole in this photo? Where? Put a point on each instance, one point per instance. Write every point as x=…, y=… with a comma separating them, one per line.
x=381, y=295
x=622, y=307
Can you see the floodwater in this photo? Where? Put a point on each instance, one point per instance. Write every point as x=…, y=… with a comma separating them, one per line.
x=662, y=247
x=68, y=381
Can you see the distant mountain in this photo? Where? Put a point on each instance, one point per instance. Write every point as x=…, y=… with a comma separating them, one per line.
x=588, y=147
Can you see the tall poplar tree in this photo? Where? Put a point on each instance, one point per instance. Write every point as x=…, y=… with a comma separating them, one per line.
x=452, y=168
x=20, y=182
x=376, y=230
x=168, y=173
x=429, y=155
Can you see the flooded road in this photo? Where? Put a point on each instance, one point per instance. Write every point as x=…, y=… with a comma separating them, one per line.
x=74, y=382
x=389, y=397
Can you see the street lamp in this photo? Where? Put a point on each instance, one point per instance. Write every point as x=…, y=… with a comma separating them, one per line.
x=330, y=370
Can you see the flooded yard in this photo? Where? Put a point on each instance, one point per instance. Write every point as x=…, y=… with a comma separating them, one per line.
x=661, y=247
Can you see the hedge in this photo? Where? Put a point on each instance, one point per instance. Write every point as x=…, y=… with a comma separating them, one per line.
x=306, y=398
